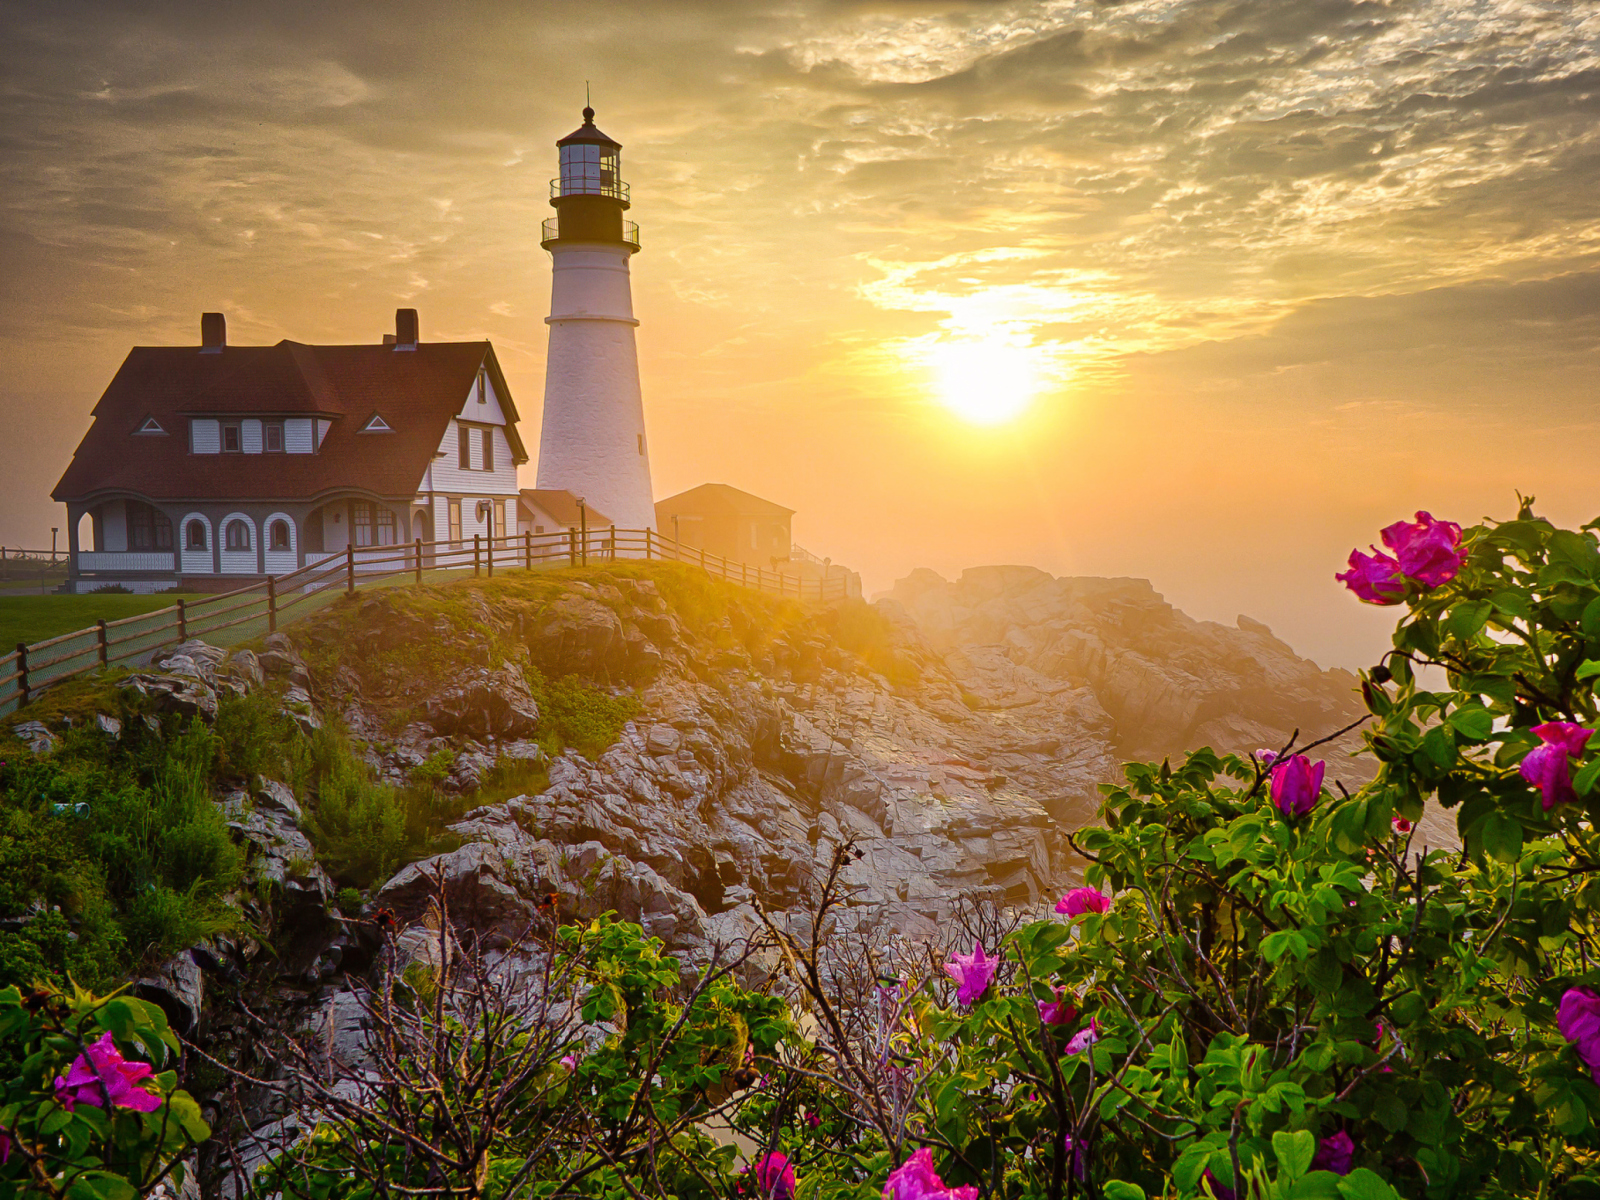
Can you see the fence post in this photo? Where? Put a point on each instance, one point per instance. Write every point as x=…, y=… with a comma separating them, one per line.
x=22, y=674
x=572, y=545
x=488, y=554
x=349, y=568
x=477, y=565
x=417, y=545
x=183, y=622
x=272, y=605
x=527, y=549
x=100, y=638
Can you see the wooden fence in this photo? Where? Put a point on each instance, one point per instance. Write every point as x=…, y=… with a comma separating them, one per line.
x=257, y=609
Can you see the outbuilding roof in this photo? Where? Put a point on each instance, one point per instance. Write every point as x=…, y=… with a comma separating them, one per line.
x=416, y=392
x=722, y=500
x=562, y=506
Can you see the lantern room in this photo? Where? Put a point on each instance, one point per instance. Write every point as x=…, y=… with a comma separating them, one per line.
x=589, y=196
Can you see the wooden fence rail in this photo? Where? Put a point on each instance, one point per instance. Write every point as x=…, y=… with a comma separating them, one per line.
x=259, y=607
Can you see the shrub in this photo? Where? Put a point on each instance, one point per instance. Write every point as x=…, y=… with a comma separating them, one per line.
x=89, y=1104
x=578, y=714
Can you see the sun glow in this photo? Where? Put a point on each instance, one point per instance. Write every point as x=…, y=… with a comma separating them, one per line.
x=986, y=382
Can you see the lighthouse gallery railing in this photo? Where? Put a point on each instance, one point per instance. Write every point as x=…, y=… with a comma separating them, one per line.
x=252, y=611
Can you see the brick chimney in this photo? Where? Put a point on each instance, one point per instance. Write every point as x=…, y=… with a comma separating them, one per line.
x=405, y=329
x=213, y=333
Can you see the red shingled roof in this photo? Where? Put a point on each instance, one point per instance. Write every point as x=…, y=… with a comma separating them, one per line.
x=415, y=391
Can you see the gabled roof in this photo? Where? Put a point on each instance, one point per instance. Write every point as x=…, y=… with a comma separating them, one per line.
x=718, y=499
x=417, y=393
x=563, y=506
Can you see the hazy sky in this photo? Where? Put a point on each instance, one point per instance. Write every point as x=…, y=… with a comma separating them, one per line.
x=1282, y=271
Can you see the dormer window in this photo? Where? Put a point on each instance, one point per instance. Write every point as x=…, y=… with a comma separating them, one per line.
x=230, y=437
x=272, y=437
x=376, y=424
x=483, y=386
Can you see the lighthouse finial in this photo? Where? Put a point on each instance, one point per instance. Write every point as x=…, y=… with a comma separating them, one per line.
x=588, y=110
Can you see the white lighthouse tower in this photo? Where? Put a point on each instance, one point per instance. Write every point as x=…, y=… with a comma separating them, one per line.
x=592, y=442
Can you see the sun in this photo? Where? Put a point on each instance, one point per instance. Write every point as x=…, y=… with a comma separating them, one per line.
x=986, y=382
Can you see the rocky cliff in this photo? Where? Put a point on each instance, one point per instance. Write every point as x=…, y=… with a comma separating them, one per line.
x=955, y=731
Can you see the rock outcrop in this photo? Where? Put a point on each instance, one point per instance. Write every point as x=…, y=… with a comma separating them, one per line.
x=954, y=732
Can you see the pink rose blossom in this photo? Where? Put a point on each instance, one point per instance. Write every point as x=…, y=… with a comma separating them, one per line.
x=1374, y=578
x=1579, y=1021
x=973, y=972
x=1401, y=825
x=1428, y=550
x=1296, y=784
x=1059, y=1011
x=103, y=1074
x=1083, y=900
x=773, y=1176
x=1546, y=766
x=1085, y=1037
x=915, y=1179
x=1336, y=1154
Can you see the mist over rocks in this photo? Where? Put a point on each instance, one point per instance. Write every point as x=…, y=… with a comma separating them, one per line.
x=1021, y=641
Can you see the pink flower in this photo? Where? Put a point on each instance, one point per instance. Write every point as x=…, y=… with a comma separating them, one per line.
x=813, y=1120
x=1578, y=1018
x=1374, y=578
x=1219, y=1189
x=1265, y=757
x=773, y=1175
x=973, y=972
x=1083, y=900
x=1428, y=551
x=103, y=1074
x=1085, y=1037
x=569, y=1061
x=5, y=1138
x=1401, y=825
x=1336, y=1154
x=1296, y=784
x=1546, y=766
x=1059, y=1011
x=915, y=1179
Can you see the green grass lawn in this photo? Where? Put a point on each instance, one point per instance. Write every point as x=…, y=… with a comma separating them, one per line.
x=34, y=618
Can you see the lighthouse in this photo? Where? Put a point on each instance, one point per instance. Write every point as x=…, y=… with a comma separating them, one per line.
x=592, y=442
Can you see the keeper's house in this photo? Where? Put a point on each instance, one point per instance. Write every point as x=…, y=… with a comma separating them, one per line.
x=210, y=466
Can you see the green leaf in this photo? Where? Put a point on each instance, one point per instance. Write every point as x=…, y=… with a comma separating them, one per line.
x=1285, y=941
x=1513, y=604
x=1440, y=747
x=1502, y=838
x=1295, y=1151
x=1118, y=1190
x=1466, y=619
x=1362, y=1184
x=1473, y=722
x=1588, y=669
x=1389, y=1111
x=1319, y=1185
x=1583, y=781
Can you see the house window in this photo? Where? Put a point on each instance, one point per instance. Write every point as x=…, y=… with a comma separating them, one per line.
x=148, y=528
x=488, y=449
x=500, y=515
x=483, y=387
x=641, y=445
x=361, y=523
x=236, y=536
x=455, y=520
x=464, y=447
x=272, y=437
x=386, y=527
x=278, y=536
x=230, y=437
x=194, y=536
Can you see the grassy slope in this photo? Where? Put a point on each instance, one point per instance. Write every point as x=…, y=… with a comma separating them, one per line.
x=34, y=618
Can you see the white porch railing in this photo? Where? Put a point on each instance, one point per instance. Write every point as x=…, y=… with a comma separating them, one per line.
x=124, y=560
